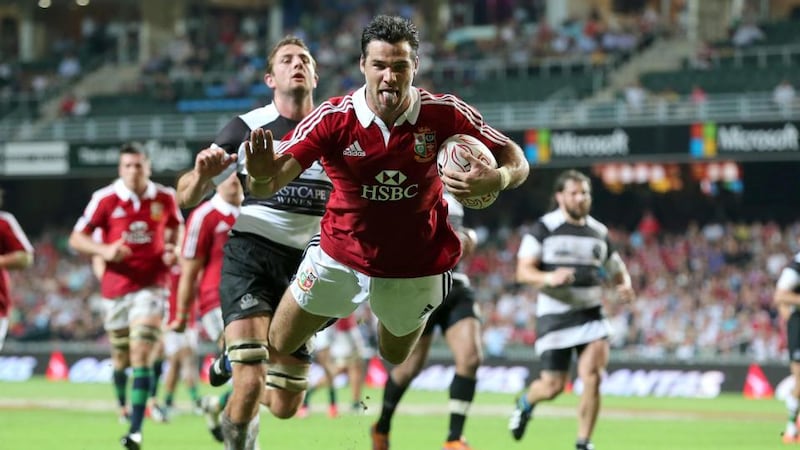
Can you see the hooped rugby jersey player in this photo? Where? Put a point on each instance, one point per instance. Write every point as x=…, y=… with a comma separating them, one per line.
x=291, y=216
x=386, y=217
x=570, y=315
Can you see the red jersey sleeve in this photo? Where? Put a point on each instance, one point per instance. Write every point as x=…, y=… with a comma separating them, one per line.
x=199, y=236
x=467, y=120
x=311, y=138
x=12, y=238
x=94, y=216
x=175, y=218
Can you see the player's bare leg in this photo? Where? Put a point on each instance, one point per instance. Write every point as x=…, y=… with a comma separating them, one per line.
x=120, y=361
x=144, y=333
x=247, y=352
x=591, y=364
x=292, y=326
x=396, y=349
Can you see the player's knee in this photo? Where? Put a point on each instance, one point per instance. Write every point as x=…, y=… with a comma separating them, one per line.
x=284, y=404
x=288, y=377
x=591, y=380
x=553, y=387
x=248, y=352
x=145, y=333
x=469, y=363
x=403, y=374
x=394, y=355
x=119, y=344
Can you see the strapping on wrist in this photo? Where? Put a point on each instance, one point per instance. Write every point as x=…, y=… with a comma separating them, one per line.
x=261, y=180
x=505, y=177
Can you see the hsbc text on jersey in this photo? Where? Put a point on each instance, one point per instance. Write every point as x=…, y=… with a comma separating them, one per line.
x=390, y=188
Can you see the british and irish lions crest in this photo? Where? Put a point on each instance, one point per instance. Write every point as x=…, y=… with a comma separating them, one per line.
x=306, y=279
x=424, y=145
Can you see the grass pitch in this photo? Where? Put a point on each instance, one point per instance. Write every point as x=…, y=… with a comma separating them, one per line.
x=44, y=415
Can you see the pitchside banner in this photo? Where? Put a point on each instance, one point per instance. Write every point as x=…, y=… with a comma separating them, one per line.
x=755, y=141
x=101, y=159
x=639, y=379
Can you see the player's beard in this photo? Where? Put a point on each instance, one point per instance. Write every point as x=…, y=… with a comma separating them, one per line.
x=577, y=212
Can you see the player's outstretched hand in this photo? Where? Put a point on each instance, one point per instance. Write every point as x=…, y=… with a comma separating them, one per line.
x=212, y=161
x=260, y=155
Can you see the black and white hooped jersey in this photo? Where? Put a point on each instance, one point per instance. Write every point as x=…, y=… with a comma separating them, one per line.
x=291, y=216
x=789, y=279
x=570, y=315
x=455, y=215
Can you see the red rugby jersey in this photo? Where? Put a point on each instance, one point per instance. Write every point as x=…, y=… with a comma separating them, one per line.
x=206, y=232
x=12, y=239
x=386, y=216
x=117, y=210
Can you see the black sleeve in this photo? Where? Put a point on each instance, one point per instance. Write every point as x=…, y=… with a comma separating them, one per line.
x=232, y=135
x=539, y=231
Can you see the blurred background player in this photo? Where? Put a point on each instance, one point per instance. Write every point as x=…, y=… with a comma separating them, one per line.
x=180, y=350
x=16, y=253
x=458, y=319
x=207, y=231
x=787, y=298
x=264, y=249
x=339, y=349
x=139, y=221
x=568, y=255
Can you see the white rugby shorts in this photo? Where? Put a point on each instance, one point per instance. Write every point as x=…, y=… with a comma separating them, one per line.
x=3, y=330
x=174, y=341
x=212, y=323
x=121, y=311
x=326, y=287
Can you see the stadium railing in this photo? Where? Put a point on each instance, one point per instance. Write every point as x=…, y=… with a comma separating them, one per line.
x=508, y=116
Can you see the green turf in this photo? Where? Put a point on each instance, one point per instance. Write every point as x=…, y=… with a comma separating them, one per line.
x=43, y=415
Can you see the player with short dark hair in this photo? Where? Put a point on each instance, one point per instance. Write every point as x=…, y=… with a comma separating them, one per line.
x=139, y=220
x=384, y=236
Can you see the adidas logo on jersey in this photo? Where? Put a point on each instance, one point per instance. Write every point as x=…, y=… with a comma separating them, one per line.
x=354, y=150
x=222, y=227
x=117, y=213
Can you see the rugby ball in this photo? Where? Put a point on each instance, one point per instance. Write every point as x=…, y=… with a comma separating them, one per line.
x=450, y=157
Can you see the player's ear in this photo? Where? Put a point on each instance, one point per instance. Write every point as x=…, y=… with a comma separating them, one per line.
x=361, y=64
x=316, y=79
x=269, y=81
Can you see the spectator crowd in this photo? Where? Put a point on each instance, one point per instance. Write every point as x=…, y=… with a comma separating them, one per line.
x=702, y=293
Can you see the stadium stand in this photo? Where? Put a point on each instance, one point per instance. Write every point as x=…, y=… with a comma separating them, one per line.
x=523, y=73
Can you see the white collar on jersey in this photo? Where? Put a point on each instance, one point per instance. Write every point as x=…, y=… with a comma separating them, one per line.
x=366, y=116
x=126, y=194
x=224, y=207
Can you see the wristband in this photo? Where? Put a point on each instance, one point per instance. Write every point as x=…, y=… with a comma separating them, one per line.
x=548, y=280
x=505, y=177
x=262, y=180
